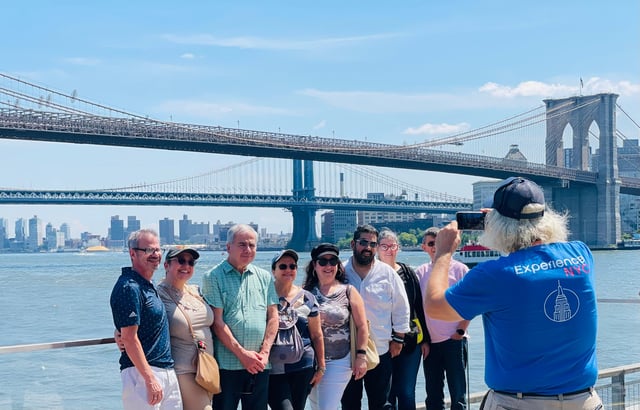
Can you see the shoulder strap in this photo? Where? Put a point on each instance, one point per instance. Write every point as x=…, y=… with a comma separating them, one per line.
x=184, y=313
x=296, y=297
x=348, y=292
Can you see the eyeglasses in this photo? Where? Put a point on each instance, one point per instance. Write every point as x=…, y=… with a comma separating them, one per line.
x=364, y=243
x=149, y=251
x=183, y=261
x=385, y=247
x=328, y=261
x=431, y=243
x=284, y=266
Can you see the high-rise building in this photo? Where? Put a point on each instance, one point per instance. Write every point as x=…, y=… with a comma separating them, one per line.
x=35, y=233
x=133, y=224
x=3, y=233
x=66, y=231
x=167, y=231
x=338, y=224
x=184, y=228
x=52, y=237
x=116, y=233
x=20, y=230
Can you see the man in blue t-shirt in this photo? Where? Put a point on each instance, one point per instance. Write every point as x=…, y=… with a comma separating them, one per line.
x=538, y=303
x=146, y=366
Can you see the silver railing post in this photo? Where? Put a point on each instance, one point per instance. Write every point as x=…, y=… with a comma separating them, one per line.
x=617, y=392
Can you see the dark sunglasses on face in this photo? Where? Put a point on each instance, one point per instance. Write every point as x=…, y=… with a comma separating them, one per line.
x=182, y=261
x=284, y=266
x=364, y=243
x=431, y=243
x=330, y=261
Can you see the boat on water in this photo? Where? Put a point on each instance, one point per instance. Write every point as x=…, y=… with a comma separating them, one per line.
x=473, y=254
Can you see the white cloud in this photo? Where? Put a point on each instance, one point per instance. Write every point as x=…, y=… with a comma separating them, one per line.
x=188, y=56
x=84, y=61
x=320, y=125
x=250, y=42
x=593, y=85
x=437, y=129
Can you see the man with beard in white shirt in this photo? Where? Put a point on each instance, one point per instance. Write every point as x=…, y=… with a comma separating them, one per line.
x=387, y=308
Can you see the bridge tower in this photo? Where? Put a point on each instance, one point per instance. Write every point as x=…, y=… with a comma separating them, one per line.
x=595, y=210
x=304, y=236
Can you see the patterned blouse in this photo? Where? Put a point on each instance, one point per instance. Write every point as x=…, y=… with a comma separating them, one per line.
x=334, y=315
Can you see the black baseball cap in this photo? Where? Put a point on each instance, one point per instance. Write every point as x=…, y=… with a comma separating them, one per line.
x=324, y=249
x=513, y=194
x=282, y=254
x=174, y=252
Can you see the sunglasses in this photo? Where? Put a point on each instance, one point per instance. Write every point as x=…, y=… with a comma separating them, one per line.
x=431, y=243
x=364, y=243
x=284, y=266
x=330, y=261
x=183, y=261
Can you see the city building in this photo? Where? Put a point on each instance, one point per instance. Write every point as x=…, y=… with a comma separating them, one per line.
x=133, y=224
x=66, y=231
x=116, y=236
x=20, y=230
x=36, y=233
x=337, y=224
x=4, y=238
x=167, y=231
x=375, y=218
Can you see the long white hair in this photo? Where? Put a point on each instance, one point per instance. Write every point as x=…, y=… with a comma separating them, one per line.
x=508, y=235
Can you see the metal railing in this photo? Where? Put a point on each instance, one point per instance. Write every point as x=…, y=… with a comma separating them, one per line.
x=618, y=387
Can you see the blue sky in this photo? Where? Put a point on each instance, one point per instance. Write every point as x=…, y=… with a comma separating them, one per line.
x=380, y=71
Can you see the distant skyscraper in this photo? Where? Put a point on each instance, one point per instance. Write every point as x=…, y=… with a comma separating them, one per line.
x=116, y=233
x=66, y=230
x=184, y=228
x=133, y=223
x=51, y=236
x=20, y=230
x=167, y=231
x=35, y=233
x=3, y=232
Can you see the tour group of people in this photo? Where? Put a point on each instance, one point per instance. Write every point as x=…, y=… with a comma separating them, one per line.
x=281, y=345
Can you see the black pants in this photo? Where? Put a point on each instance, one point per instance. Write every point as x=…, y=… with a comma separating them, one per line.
x=242, y=386
x=377, y=383
x=289, y=391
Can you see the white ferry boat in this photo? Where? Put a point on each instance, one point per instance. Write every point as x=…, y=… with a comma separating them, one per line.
x=473, y=254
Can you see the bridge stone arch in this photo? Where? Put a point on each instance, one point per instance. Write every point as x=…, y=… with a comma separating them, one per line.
x=595, y=216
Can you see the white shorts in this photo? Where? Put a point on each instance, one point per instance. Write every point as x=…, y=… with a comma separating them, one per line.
x=134, y=389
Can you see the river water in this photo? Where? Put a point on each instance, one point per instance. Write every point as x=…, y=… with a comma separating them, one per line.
x=65, y=296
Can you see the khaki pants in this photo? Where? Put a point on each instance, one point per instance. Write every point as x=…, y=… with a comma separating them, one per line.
x=583, y=401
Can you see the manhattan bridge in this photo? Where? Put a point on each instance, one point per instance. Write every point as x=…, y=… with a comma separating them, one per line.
x=571, y=147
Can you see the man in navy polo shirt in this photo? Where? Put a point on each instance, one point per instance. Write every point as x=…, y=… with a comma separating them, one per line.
x=146, y=366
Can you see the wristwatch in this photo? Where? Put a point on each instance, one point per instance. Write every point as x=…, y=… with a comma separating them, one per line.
x=460, y=332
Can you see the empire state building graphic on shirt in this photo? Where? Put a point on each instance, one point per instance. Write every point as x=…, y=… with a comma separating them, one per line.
x=561, y=305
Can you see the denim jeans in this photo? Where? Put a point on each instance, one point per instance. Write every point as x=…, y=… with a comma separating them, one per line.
x=403, y=381
x=377, y=383
x=448, y=357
